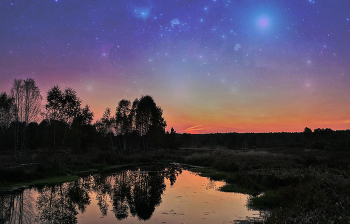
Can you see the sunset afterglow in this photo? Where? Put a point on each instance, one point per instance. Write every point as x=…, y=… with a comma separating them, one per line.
x=212, y=66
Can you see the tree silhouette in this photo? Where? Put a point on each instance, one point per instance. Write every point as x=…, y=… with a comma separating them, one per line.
x=62, y=105
x=171, y=140
x=307, y=134
x=6, y=116
x=149, y=121
x=6, y=105
x=123, y=119
x=81, y=124
x=70, y=108
x=105, y=125
x=27, y=103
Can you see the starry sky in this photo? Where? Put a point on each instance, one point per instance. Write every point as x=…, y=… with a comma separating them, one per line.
x=211, y=65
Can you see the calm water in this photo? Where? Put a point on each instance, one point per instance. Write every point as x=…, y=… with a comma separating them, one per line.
x=150, y=194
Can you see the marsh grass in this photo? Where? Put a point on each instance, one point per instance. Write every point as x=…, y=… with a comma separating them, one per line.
x=213, y=174
x=299, y=186
x=237, y=189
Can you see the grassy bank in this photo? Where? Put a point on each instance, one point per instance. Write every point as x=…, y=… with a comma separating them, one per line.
x=41, y=181
x=43, y=166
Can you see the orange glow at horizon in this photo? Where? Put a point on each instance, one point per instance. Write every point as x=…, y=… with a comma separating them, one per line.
x=250, y=108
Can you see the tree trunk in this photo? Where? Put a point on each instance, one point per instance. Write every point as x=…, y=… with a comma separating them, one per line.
x=16, y=139
x=64, y=134
x=124, y=142
x=54, y=135
x=110, y=134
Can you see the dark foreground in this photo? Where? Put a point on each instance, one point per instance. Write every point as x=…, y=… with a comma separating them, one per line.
x=294, y=185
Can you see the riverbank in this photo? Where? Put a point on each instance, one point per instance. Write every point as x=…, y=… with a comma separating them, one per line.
x=293, y=185
x=45, y=167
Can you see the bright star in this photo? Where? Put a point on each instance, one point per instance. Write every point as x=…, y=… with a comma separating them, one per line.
x=264, y=22
x=142, y=12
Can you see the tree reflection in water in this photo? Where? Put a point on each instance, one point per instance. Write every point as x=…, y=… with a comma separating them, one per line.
x=102, y=186
x=60, y=203
x=138, y=192
x=16, y=207
x=132, y=193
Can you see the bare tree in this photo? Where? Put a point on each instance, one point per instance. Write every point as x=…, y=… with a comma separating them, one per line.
x=27, y=106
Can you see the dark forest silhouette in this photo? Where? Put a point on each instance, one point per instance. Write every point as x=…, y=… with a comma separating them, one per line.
x=63, y=122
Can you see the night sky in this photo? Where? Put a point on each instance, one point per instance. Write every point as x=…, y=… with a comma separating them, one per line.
x=211, y=65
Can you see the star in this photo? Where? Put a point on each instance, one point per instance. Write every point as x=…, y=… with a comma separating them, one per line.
x=263, y=22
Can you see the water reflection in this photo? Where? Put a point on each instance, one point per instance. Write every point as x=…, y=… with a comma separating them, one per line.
x=128, y=194
x=16, y=207
x=61, y=203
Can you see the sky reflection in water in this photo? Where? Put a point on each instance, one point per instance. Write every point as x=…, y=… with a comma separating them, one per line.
x=172, y=196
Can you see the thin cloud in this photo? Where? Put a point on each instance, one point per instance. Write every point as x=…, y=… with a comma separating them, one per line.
x=194, y=129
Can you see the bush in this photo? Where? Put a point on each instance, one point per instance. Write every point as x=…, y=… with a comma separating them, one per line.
x=12, y=175
x=320, y=144
x=107, y=157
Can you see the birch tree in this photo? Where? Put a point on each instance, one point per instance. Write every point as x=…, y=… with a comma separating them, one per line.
x=105, y=125
x=62, y=106
x=27, y=107
x=123, y=119
x=149, y=120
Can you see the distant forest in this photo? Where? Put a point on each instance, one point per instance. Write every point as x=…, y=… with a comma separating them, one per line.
x=25, y=124
x=323, y=139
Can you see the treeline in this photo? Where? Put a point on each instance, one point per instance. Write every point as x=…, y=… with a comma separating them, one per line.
x=324, y=139
x=62, y=122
